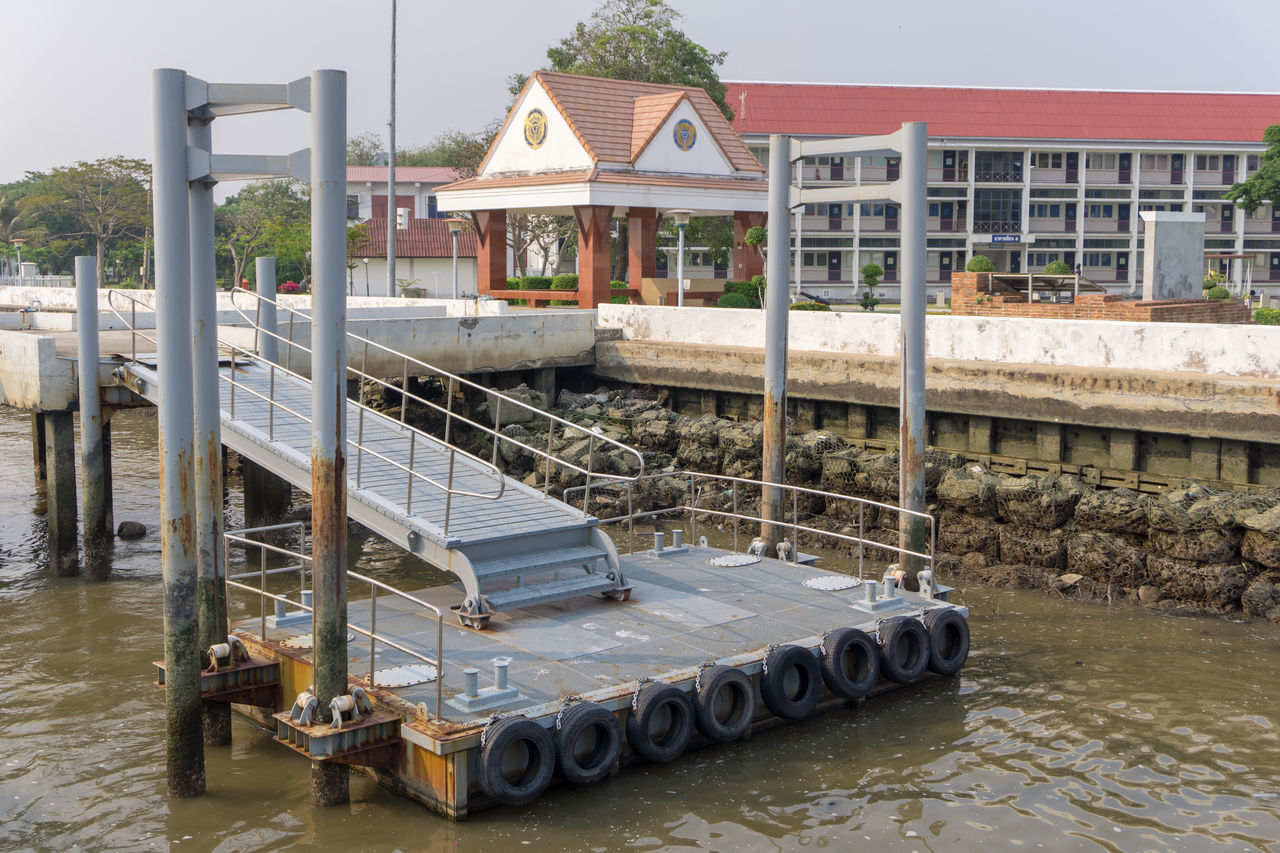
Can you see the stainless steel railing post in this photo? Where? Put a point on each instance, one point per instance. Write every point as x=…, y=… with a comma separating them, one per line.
x=262, y=601
x=448, y=495
x=497, y=430
x=795, y=527
x=373, y=630
x=408, y=500
x=359, y=441
x=404, y=390
x=271, y=407
x=861, y=508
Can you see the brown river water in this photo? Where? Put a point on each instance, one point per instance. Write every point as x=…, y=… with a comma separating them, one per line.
x=1073, y=727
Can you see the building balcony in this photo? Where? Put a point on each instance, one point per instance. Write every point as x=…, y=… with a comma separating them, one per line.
x=952, y=225
x=997, y=226
x=1052, y=176
x=1161, y=178
x=939, y=175
x=877, y=224
x=1261, y=226
x=1107, y=176
x=1215, y=178
x=1051, y=226
x=998, y=176
x=1107, y=226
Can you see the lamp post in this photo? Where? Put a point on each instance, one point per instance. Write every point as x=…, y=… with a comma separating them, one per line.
x=366, y=278
x=682, y=219
x=455, y=228
x=17, y=242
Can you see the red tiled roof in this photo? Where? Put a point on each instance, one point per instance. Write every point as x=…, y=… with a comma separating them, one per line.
x=835, y=110
x=404, y=174
x=424, y=238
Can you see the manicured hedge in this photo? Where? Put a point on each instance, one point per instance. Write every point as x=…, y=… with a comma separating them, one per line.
x=735, y=300
x=1218, y=292
x=1267, y=316
x=980, y=263
x=809, y=306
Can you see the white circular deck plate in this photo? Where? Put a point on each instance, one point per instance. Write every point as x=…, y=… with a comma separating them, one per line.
x=405, y=676
x=729, y=561
x=832, y=583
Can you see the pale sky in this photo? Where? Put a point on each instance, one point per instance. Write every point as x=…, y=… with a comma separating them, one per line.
x=75, y=74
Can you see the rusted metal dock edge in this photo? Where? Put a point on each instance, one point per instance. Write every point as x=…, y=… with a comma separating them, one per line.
x=438, y=765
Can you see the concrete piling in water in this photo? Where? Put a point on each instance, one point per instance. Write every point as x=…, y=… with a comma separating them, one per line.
x=211, y=584
x=329, y=782
x=60, y=489
x=38, y=456
x=775, y=353
x=93, y=476
x=184, y=747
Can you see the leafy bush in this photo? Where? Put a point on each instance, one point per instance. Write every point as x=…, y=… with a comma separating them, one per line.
x=809, y=306
x=1267, y=316
x=564, y=281
x=755, y=236
x=735, y=300
x=746, y=289
x=980, y=263
x=1213, y=279
x=536, y=282
x=1217, y=292
x=871, y=274
x=1057, y=268
x=869, y=301
x=619, y=298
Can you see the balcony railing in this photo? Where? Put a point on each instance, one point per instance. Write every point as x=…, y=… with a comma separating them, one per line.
x=997, y=226
x=998, y=175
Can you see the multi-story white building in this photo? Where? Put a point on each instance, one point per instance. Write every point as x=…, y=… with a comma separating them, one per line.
x=1025, y=177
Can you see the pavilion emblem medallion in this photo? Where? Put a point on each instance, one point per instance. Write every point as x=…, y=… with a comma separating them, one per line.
x=535, y=128
x=685, y=134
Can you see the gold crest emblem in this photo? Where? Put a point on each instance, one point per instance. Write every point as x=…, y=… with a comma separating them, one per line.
x=685, y=134
x=535, y=128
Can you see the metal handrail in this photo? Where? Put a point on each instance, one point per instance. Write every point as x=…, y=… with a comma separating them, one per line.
x=453, y=382
x=693, y=509
x=273, y=404
x=239, y=537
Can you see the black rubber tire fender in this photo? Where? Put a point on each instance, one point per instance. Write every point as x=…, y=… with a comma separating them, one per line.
x=791, y=682
x=904, y=649
x=948, y=640
x=724, y=704
x=660, y=723
x=588, y=743
x=535, y=762
x=850, y=663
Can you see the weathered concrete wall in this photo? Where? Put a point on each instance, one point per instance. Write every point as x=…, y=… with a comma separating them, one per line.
x=1228, y=350
x=1183, y=404
x=32, y=377
x=458, y=344
x=64, y=299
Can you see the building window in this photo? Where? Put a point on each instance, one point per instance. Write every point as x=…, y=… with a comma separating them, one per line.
x=872, y=209
x=1042, y=211
x=997, y=211
x=353, y=207
x=1097, y=259
x=1207, y=163
x=433, y=212
x=1099, y=211
x=1098, y=160
x=998, y=166
x=1047, y=160
x=1251, y=162
x=1155, y=162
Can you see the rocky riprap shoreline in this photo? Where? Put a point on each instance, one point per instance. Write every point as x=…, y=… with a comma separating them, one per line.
x=1187, y=550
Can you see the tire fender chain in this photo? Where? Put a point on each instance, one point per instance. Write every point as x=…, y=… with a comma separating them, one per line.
x=635, y=697
x=493, y=718
x=764, y=664
x=697, y=679
x=564, y=706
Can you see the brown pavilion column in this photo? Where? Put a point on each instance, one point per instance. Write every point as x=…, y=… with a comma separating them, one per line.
x=491, y=255
x=747, y=260
x=642, y=246
x=593, y=254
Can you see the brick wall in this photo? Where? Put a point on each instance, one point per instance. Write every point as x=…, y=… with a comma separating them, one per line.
x=970, y=296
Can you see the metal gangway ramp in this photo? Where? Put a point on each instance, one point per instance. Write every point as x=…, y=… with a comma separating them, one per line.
x=511, y=545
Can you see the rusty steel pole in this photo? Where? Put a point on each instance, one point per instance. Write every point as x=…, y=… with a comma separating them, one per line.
x=184, y=748
x=95, y=485
x=212, y=585
x=329, y=783
x=912, y=532
x=775, y=350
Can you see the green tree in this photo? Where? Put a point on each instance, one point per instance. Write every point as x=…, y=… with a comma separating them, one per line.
x=639, y=40
x=871, y=275
x=1263, y=185
x=104, y=200
x=264, y=218
x=363, y=150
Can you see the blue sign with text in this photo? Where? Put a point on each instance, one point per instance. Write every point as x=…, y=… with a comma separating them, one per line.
x=1006, y=238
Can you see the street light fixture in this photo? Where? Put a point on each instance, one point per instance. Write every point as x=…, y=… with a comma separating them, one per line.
x=17, y=242
x=366, y=277
x=681, y=218
x=455, y=228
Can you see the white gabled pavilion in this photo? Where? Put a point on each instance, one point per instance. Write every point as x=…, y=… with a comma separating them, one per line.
x=595, y=149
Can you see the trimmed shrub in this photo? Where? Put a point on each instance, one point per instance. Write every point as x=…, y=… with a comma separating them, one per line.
x=755, y=236
x=1057, y=268
x=869, y=301
x=1267, y=316
x=537, y=282
x=871, y=274
x=980, y=263
x=618, y=298
x=1217, y=292
x=564, y=281
x=808, y=306
x=734, y=300
x=747, y=290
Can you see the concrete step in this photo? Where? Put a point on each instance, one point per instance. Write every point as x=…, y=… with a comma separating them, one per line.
x=545, y=593
x=538, y=561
